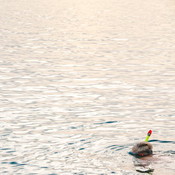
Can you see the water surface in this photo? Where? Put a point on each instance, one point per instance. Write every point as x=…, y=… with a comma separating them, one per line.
x=82, y=81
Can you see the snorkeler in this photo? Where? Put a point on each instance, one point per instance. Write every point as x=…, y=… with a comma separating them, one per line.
x=142, y=149
x=144, y=152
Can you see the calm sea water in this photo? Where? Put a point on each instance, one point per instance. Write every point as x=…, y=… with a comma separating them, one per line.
x=81, y=81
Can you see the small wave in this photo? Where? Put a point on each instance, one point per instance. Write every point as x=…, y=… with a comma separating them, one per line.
x=162, y=141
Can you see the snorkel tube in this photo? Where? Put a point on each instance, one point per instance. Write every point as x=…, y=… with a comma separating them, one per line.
x=148, y=135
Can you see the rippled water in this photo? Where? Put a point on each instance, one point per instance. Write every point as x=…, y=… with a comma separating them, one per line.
x=82, y=81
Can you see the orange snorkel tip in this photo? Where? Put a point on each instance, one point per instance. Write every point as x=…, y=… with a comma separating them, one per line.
x=148, y=135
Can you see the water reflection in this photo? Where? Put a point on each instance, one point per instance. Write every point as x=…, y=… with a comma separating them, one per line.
x=81, y=82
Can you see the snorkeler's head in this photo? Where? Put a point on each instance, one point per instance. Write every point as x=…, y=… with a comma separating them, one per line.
x=142, y=149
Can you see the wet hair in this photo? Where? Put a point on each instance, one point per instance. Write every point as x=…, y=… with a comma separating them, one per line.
x=142, y=149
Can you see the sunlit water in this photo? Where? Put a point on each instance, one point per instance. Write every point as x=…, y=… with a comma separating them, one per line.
x=81, y=81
